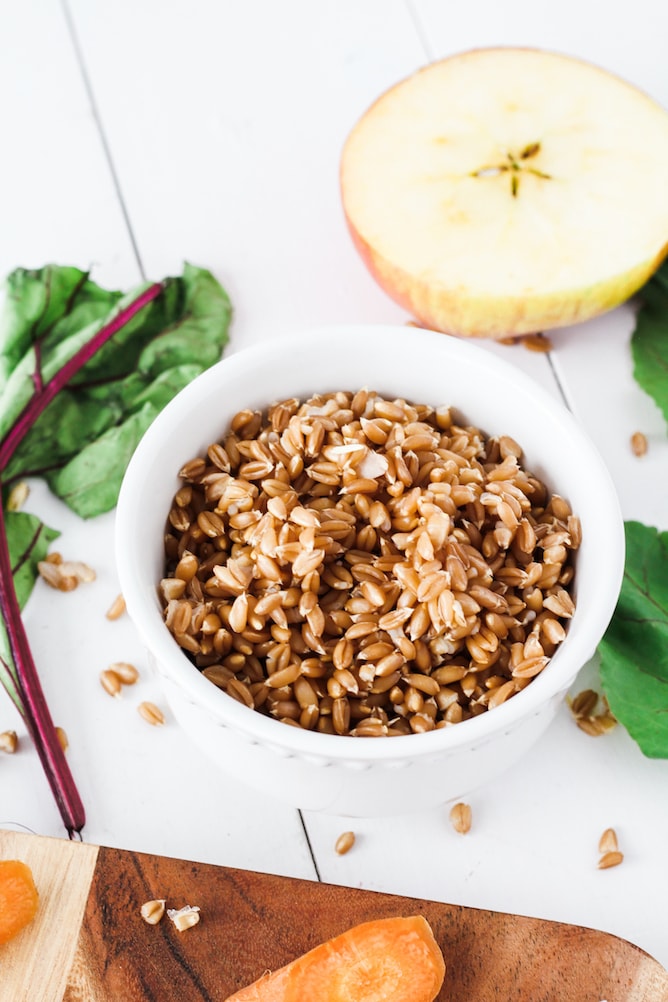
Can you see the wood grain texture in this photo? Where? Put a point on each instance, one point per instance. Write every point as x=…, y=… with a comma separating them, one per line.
x=37, y=963
x=251, y=922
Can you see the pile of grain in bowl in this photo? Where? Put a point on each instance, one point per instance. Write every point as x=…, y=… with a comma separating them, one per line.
x=356, y=565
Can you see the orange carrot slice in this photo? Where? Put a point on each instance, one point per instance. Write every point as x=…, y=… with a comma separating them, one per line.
x=271, y=987
x=385, y=960
x=18, y=897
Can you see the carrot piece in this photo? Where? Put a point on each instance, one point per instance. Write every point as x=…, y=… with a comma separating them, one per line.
x=385, y=960
x=18, y=897
x=271, y=987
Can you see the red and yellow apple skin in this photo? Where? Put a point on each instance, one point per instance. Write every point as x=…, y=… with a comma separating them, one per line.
x=503, y=192
x=498, y=317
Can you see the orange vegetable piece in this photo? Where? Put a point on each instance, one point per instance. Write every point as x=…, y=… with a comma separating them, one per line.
x=18, y=897
x=385, y=960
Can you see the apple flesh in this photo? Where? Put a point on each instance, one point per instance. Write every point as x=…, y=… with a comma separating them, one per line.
x=503, y=192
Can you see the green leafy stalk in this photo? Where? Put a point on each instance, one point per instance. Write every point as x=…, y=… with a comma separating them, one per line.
x=634, y=650
x=83, y=372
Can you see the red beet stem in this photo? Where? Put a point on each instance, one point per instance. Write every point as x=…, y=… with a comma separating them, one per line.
x=43, y=396
x=34, y=708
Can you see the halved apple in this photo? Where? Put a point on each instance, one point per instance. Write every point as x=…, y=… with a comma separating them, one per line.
x=508, y=191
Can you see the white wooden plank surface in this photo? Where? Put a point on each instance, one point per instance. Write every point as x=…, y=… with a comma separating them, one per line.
x=227, y=151
x=623, y=38
x=224, y=124
x=58, y=202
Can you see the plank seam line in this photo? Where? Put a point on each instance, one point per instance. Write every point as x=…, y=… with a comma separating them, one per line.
x=560, y=385
x=419, y=29
x=310, y=847
x=97, y=118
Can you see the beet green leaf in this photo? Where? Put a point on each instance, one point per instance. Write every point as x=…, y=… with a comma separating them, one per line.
x=649, y=343
x=83, y=372
x=634, y=650
x=82, y=442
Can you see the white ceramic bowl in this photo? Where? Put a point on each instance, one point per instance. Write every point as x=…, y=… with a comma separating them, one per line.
x=347, y=775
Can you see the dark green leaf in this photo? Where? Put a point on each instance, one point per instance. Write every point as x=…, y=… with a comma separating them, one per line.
x=85, y=437
x=649, y=343
x=47, y=315
x=194, y=334
x=8, y=669
x=37, y=301
x=83, y=372
x=58, y=434
x=634, y=650
x=29, y=540
x=90, y=482
x=120, y=356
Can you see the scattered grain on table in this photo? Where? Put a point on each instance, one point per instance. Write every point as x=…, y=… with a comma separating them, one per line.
x=461, y=817
x=18, y=496
x=110, y=682
x=126, y=672
x=591, y=713
x=609, y=850
x=344, y=843
x=9, y=742
x=116, y=609
x=184, y=918
x=151, y=713
x=608, y=841
x=64, y=575
x=609, y=859
x=536, y=342
x=638, y=443
x=533, y=342
x=153, y=911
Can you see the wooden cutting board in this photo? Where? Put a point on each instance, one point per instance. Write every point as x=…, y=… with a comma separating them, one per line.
x=89, y=943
